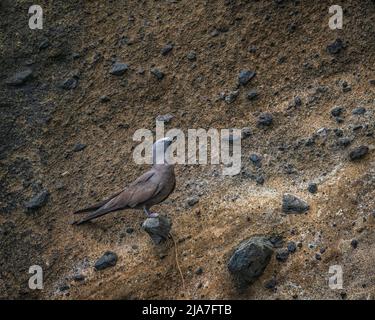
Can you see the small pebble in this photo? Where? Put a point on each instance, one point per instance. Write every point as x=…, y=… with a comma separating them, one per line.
x=245, y=76
x=157, y=73
x=199, y=271
x=168, y=48
x=292, y=247
x=265, y=119
x=252, y=94
x=358, y=153
x=359, y=111
x=354, y=243
x=270, y=284
x=337, y=111
x=282, y=255
x=79, y=147
x=192, y=56
x=312, y=188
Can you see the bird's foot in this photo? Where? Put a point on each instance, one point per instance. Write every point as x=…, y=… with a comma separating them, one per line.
x=153, y=215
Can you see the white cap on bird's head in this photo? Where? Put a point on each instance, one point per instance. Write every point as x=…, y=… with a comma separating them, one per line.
x=159, y=149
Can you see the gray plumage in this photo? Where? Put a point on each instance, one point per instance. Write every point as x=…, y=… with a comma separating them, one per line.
x=149, y=189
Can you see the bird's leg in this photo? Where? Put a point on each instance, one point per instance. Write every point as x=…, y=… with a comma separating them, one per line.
x=150, y=214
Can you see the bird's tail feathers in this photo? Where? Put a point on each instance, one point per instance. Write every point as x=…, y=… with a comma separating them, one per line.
x=96, y=214
x=96, y=206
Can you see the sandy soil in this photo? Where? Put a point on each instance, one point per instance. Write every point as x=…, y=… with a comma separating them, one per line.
x=285, y=42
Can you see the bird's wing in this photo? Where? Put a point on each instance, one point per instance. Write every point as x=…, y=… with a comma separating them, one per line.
x=141, y=190
x=97, y=205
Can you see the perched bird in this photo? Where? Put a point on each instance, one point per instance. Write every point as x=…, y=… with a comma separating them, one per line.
x=149, y=189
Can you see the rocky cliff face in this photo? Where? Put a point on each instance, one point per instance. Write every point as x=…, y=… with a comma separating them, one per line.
x=73, y=94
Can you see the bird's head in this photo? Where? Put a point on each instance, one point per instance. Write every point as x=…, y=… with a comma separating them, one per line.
x=159, y=149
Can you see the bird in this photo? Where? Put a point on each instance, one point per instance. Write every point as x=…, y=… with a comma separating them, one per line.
x=151, y=188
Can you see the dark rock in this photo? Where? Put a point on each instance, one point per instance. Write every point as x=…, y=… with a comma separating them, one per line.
x=249, y=260
x=318, y=256
x=358, y=153
x=292, y=247
x=292, y=204
x=252, y=94
x=78, y=277
x=281, y=60
x=192, y=56
x=347, y=89
x=69, y=84
x=123, y=126
x=223, y=29
x=129, y=230
x=265, y=119
x=245, y=132
x=19, y=78
x=310, y=142
x=312, y=188
x=252, y=49
x=256, y=160
x=359, y=111
x=292, y=27
x=108, y=259
x=344, y=142
x=337, y=111
x=37, y=201
x=192, y=201
x=282, y=255
x=44, y=44
x=157, y=73
x=79, y=147
x=158, y=228
x=372, y=82
x=165, y=50
x=64, y=287
x=354, y=243
x=357, y=127
x=199, y=271
x=339, y=119
x=165, y=117
x=289, y=168
x=338, y=132
x=231, y=96
x=215, y=33
x=276, y=241
x=119, y=68
x=335, y=47
x=104, y=99
x=297, y=101
x=271, y=284
x=245, y=76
